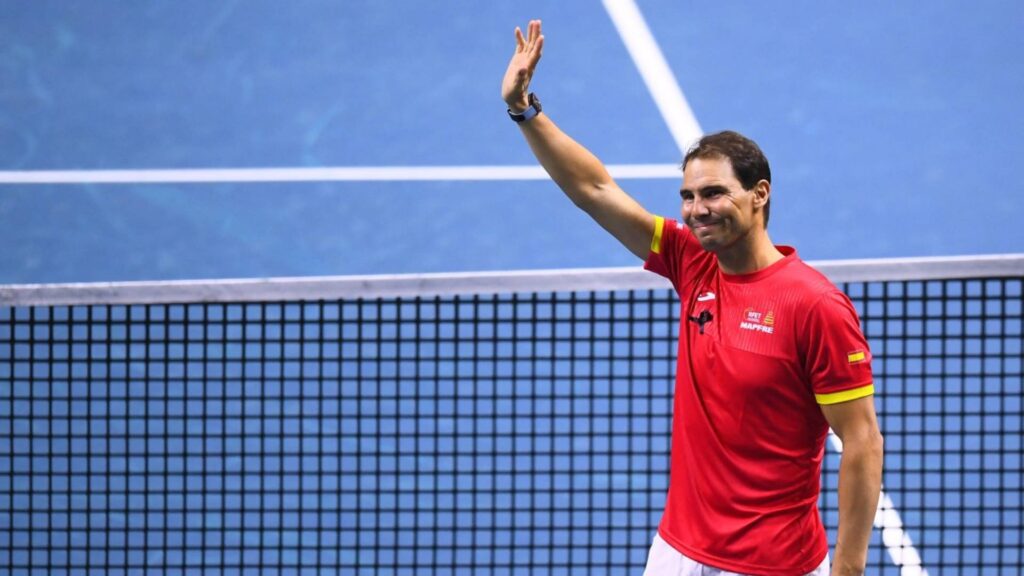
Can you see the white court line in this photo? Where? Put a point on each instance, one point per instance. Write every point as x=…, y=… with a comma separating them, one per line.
x=324, y=174
x=654, y=69
x=896, y=540
x=669, y=98
x=634, y=33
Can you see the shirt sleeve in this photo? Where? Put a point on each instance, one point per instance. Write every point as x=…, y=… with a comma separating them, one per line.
x=670, y=246
x=837, y=358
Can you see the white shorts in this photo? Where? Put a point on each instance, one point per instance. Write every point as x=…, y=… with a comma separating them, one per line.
x=664, y=560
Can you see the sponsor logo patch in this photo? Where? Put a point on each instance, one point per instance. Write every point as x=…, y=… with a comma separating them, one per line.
x=756, y=321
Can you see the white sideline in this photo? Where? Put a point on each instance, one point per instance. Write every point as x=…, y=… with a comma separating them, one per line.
x=655, y=71
x=887, y=519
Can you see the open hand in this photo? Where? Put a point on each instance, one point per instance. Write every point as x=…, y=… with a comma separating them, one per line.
x=514, y=87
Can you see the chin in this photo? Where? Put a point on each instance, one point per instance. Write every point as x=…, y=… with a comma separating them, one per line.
x=708, y=244
x=716, y=243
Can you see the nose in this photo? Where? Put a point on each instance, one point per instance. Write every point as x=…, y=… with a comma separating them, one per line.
x=698, y=208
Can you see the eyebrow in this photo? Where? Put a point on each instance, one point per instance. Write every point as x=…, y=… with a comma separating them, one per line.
x=709, y=188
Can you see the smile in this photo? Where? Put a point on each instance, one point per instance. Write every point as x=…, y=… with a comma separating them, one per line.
x=705, y=225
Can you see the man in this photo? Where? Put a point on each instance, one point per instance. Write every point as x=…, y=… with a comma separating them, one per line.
x=770, y=355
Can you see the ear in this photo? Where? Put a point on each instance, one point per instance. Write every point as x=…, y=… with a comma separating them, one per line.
x=762, y=192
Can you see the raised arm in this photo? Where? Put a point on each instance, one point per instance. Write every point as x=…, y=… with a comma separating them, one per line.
x=576, y=171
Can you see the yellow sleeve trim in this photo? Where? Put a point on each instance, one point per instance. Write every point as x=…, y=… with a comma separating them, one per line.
x=845, y=395
x=659, y=227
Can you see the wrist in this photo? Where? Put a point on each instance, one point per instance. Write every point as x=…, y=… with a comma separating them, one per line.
x=525, y=113
x=519, y=106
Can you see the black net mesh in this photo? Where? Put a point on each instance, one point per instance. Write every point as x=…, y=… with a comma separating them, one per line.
x=476, y=434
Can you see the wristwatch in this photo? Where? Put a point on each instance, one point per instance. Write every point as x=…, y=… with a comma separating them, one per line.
x=532, y=110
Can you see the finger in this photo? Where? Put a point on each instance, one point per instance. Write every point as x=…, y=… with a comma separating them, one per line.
x=538, y=47
x=520, y=41
x=537, y=34
x=535, y=52
x=534, y=31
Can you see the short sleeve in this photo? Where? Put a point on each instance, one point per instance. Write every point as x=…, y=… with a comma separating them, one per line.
x=837, y=358
x=671, y=245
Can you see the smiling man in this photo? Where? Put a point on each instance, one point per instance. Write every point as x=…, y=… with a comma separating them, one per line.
x=770, y=356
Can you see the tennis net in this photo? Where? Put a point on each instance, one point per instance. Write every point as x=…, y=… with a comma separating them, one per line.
x=466, y=423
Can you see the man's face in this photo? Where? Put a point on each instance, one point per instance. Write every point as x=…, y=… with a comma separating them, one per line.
x=717, y=209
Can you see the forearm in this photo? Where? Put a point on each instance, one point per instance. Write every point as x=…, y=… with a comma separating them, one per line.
x=573, y=168
x=860, y=482
x=589, y=185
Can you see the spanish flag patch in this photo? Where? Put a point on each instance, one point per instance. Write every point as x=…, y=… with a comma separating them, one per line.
x=855, y=357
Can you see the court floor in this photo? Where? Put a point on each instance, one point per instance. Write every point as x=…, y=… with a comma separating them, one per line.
x=891, y=130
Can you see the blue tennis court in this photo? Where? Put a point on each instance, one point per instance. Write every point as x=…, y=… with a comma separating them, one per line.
x=892, y=131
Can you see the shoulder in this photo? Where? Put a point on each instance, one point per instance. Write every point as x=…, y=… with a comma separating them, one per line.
x=673, y=233
x=807, y=284
x=825, y=306
x=812, y=299
x=677, y=255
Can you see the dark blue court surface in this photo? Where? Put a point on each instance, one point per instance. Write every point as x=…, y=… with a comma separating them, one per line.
x=892, y=130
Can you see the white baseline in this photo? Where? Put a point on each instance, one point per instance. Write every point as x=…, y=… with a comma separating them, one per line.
x=322, y=174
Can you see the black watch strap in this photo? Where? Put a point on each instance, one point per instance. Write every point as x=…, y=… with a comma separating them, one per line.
x=532, y=110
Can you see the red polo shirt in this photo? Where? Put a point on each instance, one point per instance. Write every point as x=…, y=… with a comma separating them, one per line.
x=757, y=354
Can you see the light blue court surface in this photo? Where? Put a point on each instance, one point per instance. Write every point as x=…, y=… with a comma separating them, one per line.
x=893, y=130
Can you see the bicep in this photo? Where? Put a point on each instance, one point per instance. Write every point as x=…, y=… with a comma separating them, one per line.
x=853, y=420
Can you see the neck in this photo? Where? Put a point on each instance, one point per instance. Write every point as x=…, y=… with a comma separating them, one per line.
x=750, y=254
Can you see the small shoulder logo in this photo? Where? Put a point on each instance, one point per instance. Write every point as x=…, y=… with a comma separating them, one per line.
x=758, y=321
x=856, y=357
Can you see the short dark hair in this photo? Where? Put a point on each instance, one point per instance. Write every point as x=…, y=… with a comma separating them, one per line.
x=748, y=162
